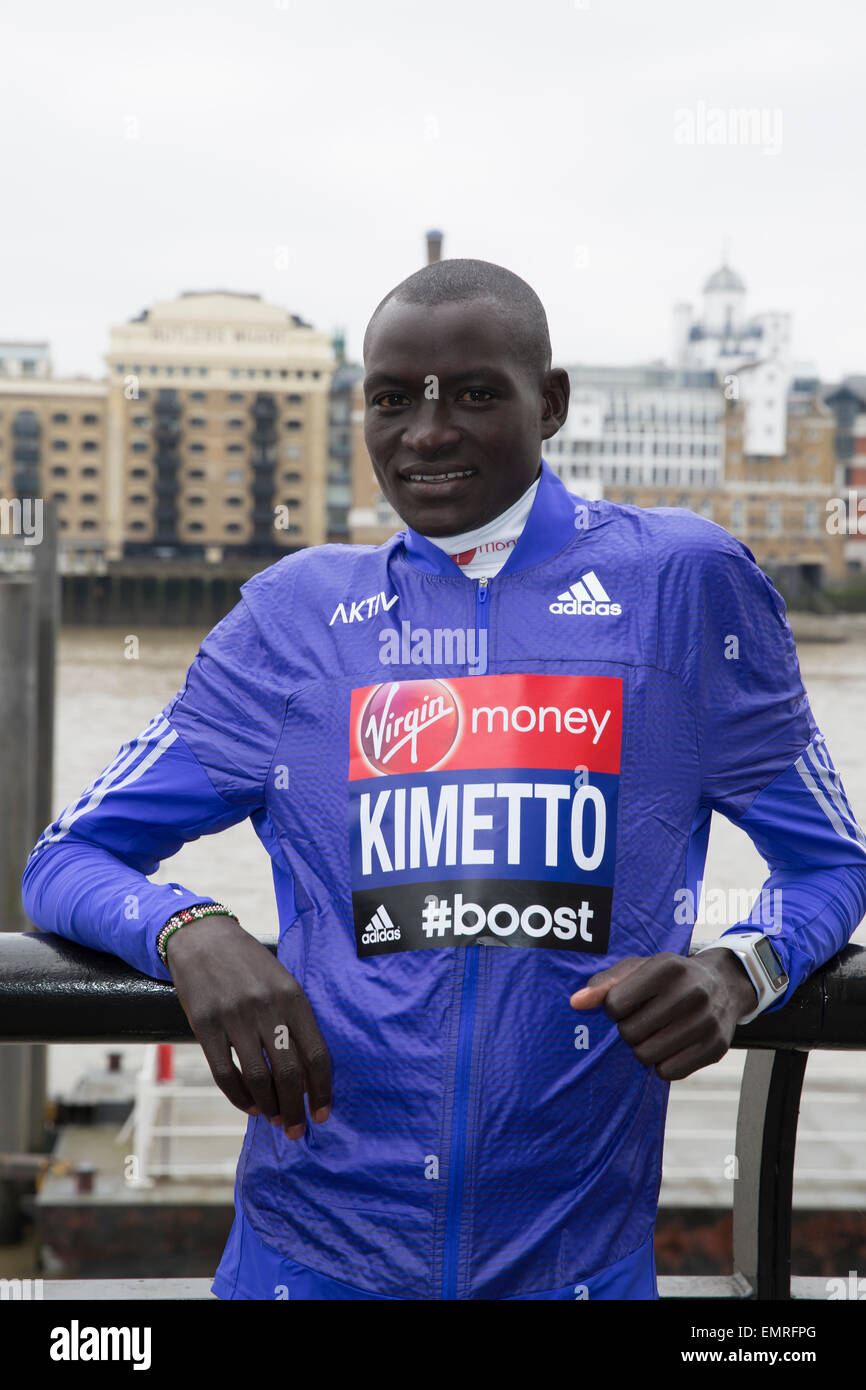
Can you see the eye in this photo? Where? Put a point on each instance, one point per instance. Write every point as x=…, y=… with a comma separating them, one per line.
x=391, y=400
x=476, y=391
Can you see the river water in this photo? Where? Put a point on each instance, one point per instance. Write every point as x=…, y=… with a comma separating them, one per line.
x=106, y=696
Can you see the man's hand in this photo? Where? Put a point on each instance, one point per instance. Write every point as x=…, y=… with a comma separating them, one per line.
x=236, y=995
x=678, y=1013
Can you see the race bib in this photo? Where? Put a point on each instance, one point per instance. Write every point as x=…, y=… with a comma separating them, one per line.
x=484, y=808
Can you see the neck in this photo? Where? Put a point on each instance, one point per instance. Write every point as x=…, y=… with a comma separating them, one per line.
x=483, y=550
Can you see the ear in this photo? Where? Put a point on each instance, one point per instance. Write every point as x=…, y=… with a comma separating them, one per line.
x=555, y=392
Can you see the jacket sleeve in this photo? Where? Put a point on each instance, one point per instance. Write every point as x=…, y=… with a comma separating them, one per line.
x=199, y=766
x=765, y=764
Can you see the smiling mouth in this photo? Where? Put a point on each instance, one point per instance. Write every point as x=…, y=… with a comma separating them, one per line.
x=420, y=475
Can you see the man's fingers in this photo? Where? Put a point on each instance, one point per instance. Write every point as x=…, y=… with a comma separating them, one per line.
x=257, y=1074
x=288, y=1078
x=666, y=1043
x=655, y=1014
x=595, y=990
x=664, y=974
x=218, y=1055
x=312, y=1053
x=691, y=1059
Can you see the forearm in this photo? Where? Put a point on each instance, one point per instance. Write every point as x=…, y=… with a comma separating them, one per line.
x=87, y=894
x=810, y=914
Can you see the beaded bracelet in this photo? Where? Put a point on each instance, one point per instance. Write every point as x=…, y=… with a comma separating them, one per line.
x=186, y=915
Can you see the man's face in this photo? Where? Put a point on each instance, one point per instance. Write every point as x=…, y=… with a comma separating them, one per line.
x=444, y=394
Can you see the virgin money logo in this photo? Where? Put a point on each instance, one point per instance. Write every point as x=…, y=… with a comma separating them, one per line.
x=409, y=726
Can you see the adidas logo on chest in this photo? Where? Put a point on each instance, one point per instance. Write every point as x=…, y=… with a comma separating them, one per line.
x=587, y=597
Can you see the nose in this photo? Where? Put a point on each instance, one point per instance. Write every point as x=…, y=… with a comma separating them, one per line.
x=430, y=432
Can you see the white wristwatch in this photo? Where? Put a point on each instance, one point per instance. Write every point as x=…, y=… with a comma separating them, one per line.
x=762, y=964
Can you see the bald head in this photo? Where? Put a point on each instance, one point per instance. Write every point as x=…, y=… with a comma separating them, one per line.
x=522, y=313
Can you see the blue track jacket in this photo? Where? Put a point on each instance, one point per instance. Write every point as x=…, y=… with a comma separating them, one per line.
x=474, y=795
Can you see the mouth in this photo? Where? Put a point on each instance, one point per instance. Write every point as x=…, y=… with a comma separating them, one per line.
x=424, y=480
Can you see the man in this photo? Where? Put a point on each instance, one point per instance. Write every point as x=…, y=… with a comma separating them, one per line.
x=485, y=784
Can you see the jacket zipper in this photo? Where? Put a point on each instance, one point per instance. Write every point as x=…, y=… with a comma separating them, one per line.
x=468, y=997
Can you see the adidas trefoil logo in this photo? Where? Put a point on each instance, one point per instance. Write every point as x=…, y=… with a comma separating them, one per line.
x=586, y=596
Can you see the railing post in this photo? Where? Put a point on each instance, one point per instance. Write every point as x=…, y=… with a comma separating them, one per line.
x=765, y=1148
x=46, y=576
x=18, y=677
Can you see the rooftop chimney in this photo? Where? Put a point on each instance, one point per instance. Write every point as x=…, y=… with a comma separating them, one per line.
x=434, y=247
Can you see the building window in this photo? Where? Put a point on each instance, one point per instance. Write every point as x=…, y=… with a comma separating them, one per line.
x=59, y=497
x=706, y=508
x=235, y=423
x=197, y=448
x=234, y=475
x=294, y=399
x=291, y=477
x=810, y=518
x=198, y=395
x=235, y=397
x=140, y=446
x=234, y=448
x=138, y=473
x=774, y=518
x=89, y=472
x=60, y=418
x=90, y=419
x=195, y=526
x=141, y=422
x=89, y=446
x=196, y=473
x=59, y=472
x=88, y=498
x=138, y=526
x=298, y=424
x=59, y=445
x=88, y=525
x=195, y=501
x=197, y=421
x=138, y=498
x=233, y=526
x=234, y=501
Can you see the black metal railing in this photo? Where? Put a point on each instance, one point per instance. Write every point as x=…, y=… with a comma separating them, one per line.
x=54, y=991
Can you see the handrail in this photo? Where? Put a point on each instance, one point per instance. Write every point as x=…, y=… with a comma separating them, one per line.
x=56, y=991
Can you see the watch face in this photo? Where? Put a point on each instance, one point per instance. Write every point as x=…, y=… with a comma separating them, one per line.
x=769, y=958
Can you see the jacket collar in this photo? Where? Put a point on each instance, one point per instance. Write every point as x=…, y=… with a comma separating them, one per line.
x=550, y=525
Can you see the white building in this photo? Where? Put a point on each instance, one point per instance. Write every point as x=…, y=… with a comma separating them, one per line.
x=650, y=426
x=725, y=340
x=663, y=427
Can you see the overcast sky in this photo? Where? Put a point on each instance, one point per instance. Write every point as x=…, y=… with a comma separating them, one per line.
x=301, y=148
